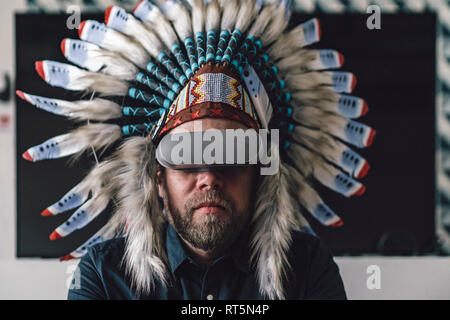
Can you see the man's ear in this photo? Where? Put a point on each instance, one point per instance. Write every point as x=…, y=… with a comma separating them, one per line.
x=159, y=181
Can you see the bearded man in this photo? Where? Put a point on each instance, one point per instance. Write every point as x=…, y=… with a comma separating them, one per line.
x=207, y=240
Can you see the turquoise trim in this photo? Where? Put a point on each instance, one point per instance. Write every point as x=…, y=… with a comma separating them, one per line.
x=132, y=92
x=126, y=130
x=150, y=66
x=265, y=57
x=288, y=96
x=161, y=55
x=275, y=70
x=183, y=79
x=291, y=127
x=167, y=103
x=289, y=111
x=126, y=111
x=176, y=87
x=171, y=95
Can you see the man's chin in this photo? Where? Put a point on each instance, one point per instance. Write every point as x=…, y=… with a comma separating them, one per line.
x=202, y=218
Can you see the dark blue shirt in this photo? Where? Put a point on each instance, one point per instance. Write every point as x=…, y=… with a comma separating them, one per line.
x=313, y=273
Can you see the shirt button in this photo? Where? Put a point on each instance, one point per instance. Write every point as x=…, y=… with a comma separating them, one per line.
x=210, y=297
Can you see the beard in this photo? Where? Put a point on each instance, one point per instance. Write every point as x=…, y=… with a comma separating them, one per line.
x=212, y=231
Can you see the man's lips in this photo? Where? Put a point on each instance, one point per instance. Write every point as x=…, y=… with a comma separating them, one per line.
x=209, y=208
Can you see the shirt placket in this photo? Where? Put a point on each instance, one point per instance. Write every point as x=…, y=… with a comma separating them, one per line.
x=209, y=285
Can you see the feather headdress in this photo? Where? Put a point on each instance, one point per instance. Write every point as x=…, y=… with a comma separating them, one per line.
x=157, y=57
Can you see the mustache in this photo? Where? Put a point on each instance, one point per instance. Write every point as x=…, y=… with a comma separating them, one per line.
x=214, y=196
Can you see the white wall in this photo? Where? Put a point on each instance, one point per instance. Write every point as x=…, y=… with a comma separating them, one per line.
x=401, y=278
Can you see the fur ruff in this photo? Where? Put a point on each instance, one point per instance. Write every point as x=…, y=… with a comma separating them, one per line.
x=145, y=257
x=273, y=221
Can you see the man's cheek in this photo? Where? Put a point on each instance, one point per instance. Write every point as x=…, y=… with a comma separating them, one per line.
x=240, y=201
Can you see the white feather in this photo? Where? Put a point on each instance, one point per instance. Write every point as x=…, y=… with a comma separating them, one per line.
x=95, y=59
x=246, y=15
x=107, y=232
x=289, y=42
x=276, y=26
x=230, y=12
x=96, y=109
x=179, y=15
x=258, y=95
x=332, y=150
x=310, y=164
x=212, y=21
x=84, y=215
x=97, y=136
x=126, y=23
x=327, y=100
x=358, y=134
x=198, y=16
x=310, y=200
x=261, y=22
x=110, y=39
x=95, y=183
x=153, y=18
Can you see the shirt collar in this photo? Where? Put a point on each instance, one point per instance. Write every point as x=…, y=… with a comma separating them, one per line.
x=239, y=251
x=175, y=251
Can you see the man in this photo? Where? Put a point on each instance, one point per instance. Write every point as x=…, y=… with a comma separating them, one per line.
x=210, y=222
x=207, y=242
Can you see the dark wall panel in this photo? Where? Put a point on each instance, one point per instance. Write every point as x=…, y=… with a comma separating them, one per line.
x=395, y=67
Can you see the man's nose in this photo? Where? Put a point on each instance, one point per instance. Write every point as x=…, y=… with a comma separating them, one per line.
x=210, y=180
